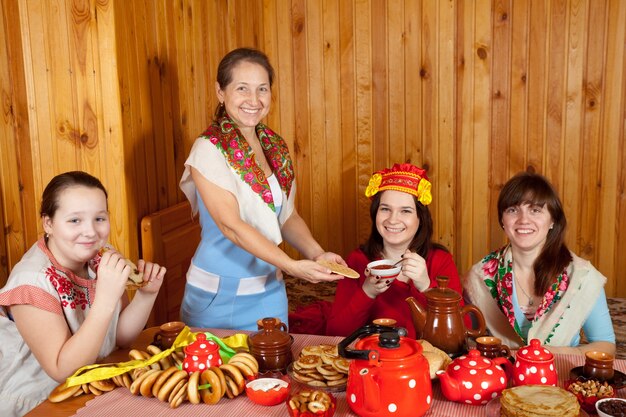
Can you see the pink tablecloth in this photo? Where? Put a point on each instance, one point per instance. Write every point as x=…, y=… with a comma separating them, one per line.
x=121, y=402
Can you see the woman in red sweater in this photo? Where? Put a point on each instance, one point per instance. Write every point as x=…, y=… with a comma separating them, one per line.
x=402, y=228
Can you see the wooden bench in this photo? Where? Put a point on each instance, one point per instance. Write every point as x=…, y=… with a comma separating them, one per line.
x=170, y=237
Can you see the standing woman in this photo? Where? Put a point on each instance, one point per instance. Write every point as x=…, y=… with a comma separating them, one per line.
x=240, y=178
x=65, y=306
x=534, y=287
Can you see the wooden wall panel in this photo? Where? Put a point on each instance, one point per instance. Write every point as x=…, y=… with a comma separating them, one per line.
x=473, y=90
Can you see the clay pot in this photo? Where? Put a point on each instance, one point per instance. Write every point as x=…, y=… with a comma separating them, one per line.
x=598, y=365
x=167, y=334
x=492, y=347
x=271, y=346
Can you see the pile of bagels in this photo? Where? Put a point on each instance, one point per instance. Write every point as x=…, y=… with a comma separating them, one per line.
x=165, y=380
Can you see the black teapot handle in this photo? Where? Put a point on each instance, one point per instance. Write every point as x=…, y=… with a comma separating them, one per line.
x=367, y=330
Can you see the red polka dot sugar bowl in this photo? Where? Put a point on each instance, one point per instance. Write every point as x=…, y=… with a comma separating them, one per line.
x=534, y=364
x=201, y=354
x=388, y=374
x=475, y=379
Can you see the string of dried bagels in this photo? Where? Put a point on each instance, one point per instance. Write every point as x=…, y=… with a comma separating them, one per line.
x=166, y=381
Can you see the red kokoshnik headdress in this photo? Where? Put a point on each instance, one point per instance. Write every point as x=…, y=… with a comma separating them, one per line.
x=401, y=177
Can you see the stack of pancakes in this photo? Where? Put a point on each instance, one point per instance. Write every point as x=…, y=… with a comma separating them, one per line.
x=538, y=401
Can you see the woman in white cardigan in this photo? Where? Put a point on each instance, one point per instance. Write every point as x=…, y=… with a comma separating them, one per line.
x=534, y=287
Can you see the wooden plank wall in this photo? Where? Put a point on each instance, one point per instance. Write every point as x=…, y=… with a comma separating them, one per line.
x=473, y=90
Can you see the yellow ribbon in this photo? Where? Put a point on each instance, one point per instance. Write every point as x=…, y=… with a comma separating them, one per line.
x=99, y=372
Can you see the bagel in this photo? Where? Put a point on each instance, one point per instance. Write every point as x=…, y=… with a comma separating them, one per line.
x=136, y=385
x=164, y=362
x=192, y=388
x=236, y=376
x=245, y=370
x=212, y=394
x=248, y=359
x=161, y=380
x=180, y=396
x=148, y=382
x=166, y=389
x=222, y=378
x=178, y=387
x=135, y=278
x=95, y=391
x=104, y=385
x=85, y=388
x=231, y=387
x=62, y=392
x=117, y=380
x=135, y=354
x=126, y=379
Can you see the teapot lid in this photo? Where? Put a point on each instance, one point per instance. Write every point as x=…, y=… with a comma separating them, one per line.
x=202, y=346
x=390, y=345
x=442, y=293
x=270, y=335
x=473, y=360
x=535, y=352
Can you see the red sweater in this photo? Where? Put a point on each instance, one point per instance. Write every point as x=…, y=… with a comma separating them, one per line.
x=352, y=308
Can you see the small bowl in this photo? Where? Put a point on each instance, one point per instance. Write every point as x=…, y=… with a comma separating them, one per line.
x=330, y=411
x=267, y=391
x=604, y=400
x=384, y=269
x=588, y=402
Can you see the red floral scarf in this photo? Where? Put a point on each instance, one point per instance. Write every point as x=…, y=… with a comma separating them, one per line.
x=497, y=268
x=228, y=139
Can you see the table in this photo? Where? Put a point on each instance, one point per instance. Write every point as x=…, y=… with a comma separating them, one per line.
x=120, y=402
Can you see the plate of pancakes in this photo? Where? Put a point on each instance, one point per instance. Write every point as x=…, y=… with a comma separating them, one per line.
x=320, y=367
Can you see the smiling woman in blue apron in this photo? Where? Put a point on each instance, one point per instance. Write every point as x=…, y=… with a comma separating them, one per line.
x=240, y=179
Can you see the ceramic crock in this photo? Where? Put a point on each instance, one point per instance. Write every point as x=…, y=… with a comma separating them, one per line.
x=388, y=375
x=474, y=379
x=534, y=364
x=201, y=354
x=271, y=346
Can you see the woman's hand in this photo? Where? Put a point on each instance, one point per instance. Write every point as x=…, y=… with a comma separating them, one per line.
x=414, y=269
x=312, y=271
x=153, y=273
x=373, y=286
x=112, y=274
x=332, y=257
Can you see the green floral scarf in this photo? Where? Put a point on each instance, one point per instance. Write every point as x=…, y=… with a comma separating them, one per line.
x=497, y=269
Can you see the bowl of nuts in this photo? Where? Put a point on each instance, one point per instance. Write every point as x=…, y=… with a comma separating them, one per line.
x=311, y=403
x=589, y=391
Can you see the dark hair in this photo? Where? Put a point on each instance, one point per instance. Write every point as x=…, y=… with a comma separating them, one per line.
x=422, y=241
x=50, y=197
x=230, y=61
x=530, y=188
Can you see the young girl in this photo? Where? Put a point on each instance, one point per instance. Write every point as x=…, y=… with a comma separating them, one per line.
x=402, y=228
x=65, y=306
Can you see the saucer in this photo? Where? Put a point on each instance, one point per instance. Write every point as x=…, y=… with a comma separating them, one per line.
x=493, y=408
x=617, y=382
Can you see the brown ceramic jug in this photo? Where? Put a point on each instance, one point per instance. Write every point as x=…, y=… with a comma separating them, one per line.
x=271, y=346
x=441, y=323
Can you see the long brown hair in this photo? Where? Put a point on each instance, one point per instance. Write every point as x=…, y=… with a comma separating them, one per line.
x=230, y=61
x=422, y=241
x=530, y=188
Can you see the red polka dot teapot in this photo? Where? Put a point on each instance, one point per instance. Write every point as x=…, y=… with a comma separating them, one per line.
x=201, y=354
x=474, y=379
x=388, y=375
x=534, y=364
